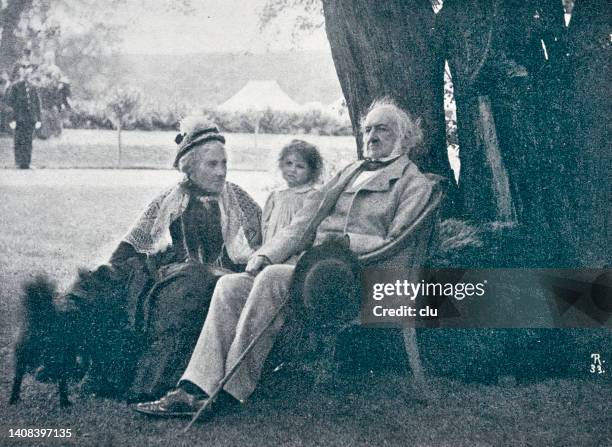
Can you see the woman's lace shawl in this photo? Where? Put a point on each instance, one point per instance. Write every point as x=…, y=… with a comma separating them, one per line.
x=240, y=222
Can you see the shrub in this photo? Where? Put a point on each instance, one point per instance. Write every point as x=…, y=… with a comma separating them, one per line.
x=277, y=122
x=121, y=107
x=156, y=116
x=147, y=115
x=88, y=115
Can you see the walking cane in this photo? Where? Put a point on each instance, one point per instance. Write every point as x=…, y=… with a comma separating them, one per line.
x=234, y=368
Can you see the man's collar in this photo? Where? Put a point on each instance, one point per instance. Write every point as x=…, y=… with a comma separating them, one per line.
x=391, y=157
x=374, y=164
x=383, y=178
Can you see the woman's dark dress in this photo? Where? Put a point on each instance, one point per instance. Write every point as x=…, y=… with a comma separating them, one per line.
x=166, y=300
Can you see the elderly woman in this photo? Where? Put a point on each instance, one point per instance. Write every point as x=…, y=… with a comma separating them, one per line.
x=163, y=272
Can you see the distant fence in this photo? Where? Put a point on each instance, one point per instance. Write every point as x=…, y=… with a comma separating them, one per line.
x=94, y=115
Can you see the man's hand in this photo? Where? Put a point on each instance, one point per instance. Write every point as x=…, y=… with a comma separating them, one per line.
x=256, y=264
x=12, y=125
x=37, y=125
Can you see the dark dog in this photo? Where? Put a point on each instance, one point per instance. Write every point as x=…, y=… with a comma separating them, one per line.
x=107, y=339
x=85, y=331
x=44, y=340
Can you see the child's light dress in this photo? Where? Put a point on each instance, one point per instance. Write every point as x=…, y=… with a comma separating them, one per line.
x=280, y=208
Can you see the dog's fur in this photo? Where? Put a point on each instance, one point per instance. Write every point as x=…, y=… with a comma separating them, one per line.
x=110, y=346
x=85, y=330
x=44, y=340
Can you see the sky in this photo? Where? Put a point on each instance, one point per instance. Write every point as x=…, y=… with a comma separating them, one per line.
x=214, y=26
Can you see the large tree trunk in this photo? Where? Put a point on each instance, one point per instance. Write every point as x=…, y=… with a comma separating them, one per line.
x=467, y=29
x=497, y=53
x=391, y=48
x=475, y=38
x=552, y=77
x=532, y=108
x=573, y=109
x=590, y=47
x=9, y=19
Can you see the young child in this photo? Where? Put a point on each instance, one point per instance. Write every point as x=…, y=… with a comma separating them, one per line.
x=300, y=164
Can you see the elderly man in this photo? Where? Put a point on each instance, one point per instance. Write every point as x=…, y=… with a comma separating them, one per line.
x=371, y=202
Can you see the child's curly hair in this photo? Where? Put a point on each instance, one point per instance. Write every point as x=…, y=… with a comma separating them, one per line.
x=310, y=154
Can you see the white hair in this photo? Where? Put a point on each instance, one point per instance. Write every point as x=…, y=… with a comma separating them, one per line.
x=409, y=128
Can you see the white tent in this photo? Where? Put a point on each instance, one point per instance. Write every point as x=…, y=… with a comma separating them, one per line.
x=259, y=96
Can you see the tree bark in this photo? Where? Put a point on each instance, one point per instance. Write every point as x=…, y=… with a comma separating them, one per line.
x=507, y=52
x=391, y=48
x=9, y=19
x=486, y=85
x=589, y=46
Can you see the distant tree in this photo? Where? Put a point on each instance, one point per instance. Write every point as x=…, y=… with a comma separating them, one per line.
x=66, y=27
x=78, y=31
x=307, y=15
x=10, y=15
x=121, y=106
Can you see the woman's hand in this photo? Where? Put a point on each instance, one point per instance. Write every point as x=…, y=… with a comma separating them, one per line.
x=256, y=264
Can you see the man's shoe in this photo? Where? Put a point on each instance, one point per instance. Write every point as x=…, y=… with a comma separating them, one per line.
x=176, y=403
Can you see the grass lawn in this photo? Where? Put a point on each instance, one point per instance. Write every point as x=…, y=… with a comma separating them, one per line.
x=60, y=227
x=77, y=148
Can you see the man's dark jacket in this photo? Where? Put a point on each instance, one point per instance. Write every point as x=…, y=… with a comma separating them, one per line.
x=23, y=98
